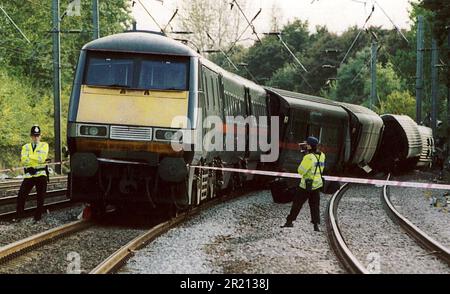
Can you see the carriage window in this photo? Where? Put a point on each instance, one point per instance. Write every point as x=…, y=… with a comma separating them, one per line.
x=330, y=136
x=110, y=72
x=315, y=131
x=213, y=93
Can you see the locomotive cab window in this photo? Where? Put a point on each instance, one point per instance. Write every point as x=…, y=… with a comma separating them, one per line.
x=110, y=71
x=163, y=75
x=143, y=72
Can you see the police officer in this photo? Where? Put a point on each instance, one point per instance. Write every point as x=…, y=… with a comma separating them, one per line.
x=33, y=158
x=310, y=169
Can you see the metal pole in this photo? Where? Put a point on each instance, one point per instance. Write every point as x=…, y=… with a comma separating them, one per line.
x=448, y=86
x=95, y=19
x=373, y=73
x=57, y=82
x=434, y=84
x=419, y=70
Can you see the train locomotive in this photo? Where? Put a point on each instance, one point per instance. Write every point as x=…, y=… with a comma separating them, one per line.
x=136, y=95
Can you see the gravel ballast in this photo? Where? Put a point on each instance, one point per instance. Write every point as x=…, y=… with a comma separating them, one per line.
x=381, y=245
x=11, y=232
x=90, y=247
x=242, y=235
x=414, y=204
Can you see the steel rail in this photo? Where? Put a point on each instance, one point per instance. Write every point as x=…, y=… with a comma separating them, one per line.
x=118, y=258
x=50, y=194
x=337, y=242
x=18, y=248
x=30, y=210
x=16, y=183
x=412, y=230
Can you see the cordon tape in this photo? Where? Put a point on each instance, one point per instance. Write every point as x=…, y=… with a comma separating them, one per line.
x=21, y=168
x=333, y=179
x=294, y=175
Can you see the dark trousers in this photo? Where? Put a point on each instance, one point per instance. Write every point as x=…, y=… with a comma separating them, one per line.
x=25, y=188
x=299, y=199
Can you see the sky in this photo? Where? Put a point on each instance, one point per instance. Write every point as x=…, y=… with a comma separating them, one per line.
x=337, y=15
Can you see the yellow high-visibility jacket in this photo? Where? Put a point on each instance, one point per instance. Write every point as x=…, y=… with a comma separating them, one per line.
x=35, y=159
x=308, y=166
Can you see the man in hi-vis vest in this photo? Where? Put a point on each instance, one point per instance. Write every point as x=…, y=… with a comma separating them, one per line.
x=311, y=169
x=33, y=158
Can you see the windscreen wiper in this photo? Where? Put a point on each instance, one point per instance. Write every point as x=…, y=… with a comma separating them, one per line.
x=172, y=89
x=118, y=86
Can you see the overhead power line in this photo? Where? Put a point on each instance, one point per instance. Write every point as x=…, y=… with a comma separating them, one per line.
x=245, y=30
x=278, y=34
x=223, y=52
x=357, y=36
x=14, y=24
x=246, y=18
x=396, y=27
x=151, y=16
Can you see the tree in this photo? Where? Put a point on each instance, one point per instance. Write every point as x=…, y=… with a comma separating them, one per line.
x=351, y=79
x=35, y=20
x=26, y=70
x=440, y=17
x=398, y=102
x=213, y=17
x=387, y=82
x=266, y=58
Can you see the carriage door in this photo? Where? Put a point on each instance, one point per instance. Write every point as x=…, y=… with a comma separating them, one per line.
x=248, y=112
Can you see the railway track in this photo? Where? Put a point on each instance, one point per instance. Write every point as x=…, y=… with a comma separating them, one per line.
x=11, y=187
x=338, y=244
x=417, y=234
x=18, y=248
x=16, y=254
x=115, y=261
x=57, y=200
x=341, y=247
x=47, y=252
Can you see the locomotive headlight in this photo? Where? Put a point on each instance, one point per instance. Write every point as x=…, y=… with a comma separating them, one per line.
x=93, y=131
x=168, y=135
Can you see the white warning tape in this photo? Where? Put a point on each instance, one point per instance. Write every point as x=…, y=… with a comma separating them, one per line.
x=333, y=179
x=21, y=168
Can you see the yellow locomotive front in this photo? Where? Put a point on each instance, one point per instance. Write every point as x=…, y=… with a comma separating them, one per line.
x=127, y=90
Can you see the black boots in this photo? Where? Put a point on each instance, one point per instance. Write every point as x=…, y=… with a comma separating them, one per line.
x=290, y=225
x=287, y=225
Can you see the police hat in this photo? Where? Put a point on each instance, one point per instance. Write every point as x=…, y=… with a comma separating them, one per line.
x=312, y=141
x=35, y=130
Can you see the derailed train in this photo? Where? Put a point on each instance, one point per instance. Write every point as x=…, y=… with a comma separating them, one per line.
x=129, y=88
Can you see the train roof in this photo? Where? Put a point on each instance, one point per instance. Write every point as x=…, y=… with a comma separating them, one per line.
x=141, y=42
x=300, y=101
x=294, y=95
x=231, y=76
x=358, y=109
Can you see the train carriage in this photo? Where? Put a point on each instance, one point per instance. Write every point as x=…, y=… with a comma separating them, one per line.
x=145, y=108
x=366, y=128
x=401, y=143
